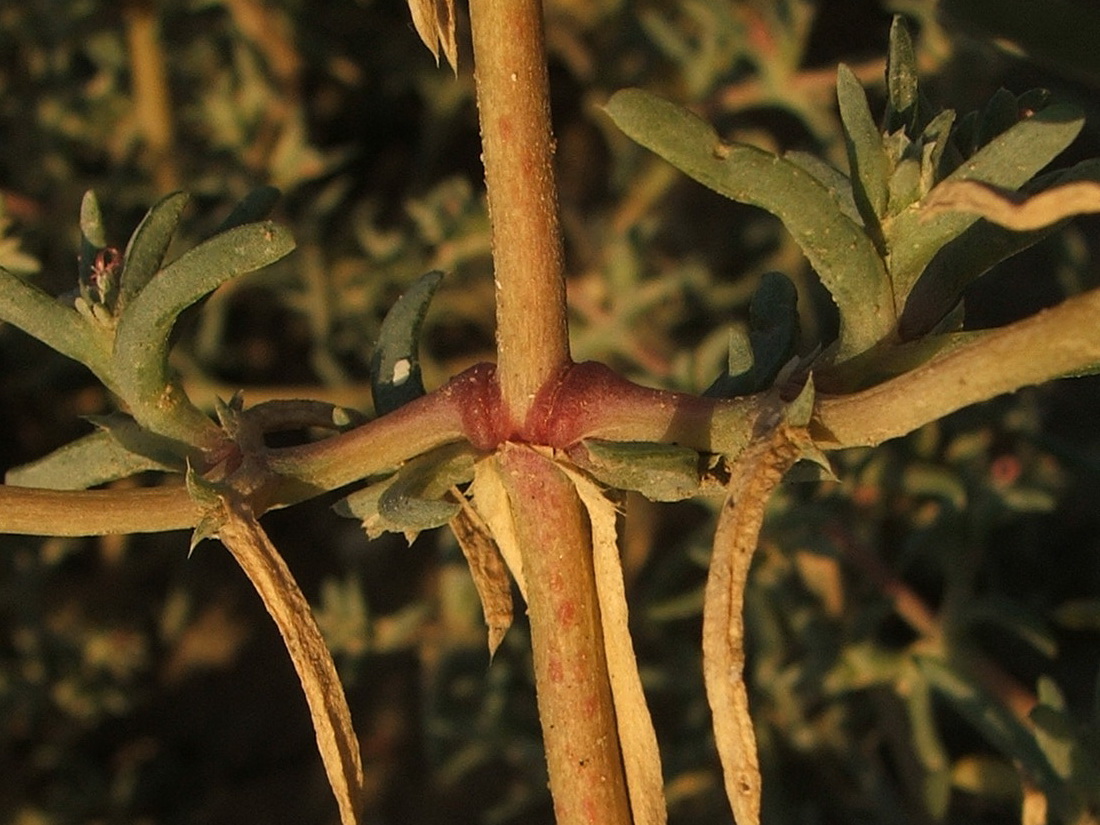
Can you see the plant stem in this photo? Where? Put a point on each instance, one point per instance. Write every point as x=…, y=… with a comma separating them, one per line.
x=152, y=100
x=1047, y=345
x=571, y=676
x=513, y=104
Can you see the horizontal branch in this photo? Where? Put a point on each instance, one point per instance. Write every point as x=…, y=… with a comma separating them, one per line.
x=34, y=512
x=1054, y=342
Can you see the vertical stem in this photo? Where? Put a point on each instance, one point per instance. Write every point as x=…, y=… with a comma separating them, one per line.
x=152, y=101
x=574, y=694
x=513, y=102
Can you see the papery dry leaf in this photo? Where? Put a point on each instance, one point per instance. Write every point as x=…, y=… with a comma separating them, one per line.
x=490, y=499
x=488, y=569
x=1013, y=210
x=242, y=534
x=435, y=23
x=641, y=756
x=756, y=473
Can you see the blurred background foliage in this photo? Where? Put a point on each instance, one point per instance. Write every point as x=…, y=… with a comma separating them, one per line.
x=925, y=633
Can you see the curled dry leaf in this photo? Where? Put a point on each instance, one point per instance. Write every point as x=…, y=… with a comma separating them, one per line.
x=242, y=534
x=1014, y=210
x=488, y=569
x=641, y=756
x=490, y=499
x=435, y=23
x=756, y=474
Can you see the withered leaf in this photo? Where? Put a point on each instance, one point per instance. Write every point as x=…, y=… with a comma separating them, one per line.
x=756, y=473
x=641, y=756
x=1013, y=210
x=242, y=534
x=488, y=569
x=435, y=23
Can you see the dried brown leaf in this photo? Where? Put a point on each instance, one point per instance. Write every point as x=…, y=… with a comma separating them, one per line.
x=641, y=756
x=1013, y=210
x=490, y=499
x=435, y=23
x=756, y=473
x=242, y=534
x=488, y=569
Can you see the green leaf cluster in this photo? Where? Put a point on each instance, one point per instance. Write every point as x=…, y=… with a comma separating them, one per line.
x=119, y=323
x=894, y=271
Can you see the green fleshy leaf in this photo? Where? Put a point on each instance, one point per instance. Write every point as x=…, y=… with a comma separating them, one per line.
x=61, y=327
x=118, y=450
x=1054, y=730
x=92, y=235
x=1008, y=161
x=866, y=159
x=972, y=254
x=843, y=256
x=902, y=86
x=395, y=365
x=414, y=498
x=935, y=141
x=148, y=245
x=660, y=472
x=773, y=339
x=838, y=184
x=142, y=338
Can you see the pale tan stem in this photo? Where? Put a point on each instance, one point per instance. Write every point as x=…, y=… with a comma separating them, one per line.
x=571, y=677
x=1054, y=342
x=152, y=99
x=33, y=512
x=513, y=103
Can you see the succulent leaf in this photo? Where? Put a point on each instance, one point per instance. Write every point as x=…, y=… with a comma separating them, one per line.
x=843, y=256
x=395, y=365
x=149, y=243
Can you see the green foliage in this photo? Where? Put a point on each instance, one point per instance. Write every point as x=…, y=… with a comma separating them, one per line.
x=878, y=601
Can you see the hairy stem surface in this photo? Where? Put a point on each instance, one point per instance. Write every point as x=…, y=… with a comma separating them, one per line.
x=574, y=693
x=513, y=105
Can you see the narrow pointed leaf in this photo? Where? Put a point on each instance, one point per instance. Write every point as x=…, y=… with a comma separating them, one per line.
x=902, y=89
x=417, y=497
x=62, y=328
x=141, y=341
x=435, y=23
x=395, y=365
x=148, y=245
x=981, y=247
x=866, y=158
x=773, y=337
x=990, y=718
x=92, y=236
x=660, y=472
x=489, y=572
x=1009, y=161
x=841, y=253
x=115, y=452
